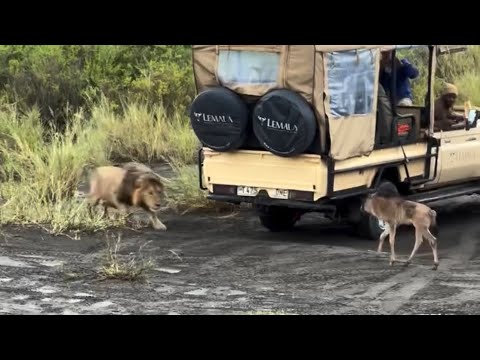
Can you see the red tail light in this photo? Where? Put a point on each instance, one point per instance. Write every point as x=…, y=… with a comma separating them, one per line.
x=403, y=129
x=301, y=195
x=224, y=189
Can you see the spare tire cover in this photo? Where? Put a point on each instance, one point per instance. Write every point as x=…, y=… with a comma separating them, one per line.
x=219, y=118
x=284, y=123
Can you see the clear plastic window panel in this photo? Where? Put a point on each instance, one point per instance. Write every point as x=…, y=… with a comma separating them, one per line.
x=351, y=81
x=248, y=67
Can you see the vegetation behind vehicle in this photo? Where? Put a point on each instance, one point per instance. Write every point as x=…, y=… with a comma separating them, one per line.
x=142, y=115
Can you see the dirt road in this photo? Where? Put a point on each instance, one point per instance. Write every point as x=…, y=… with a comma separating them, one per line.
x=212, y=265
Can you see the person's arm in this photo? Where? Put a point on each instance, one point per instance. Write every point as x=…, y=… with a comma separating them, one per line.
x=457, y=117
x=441, y=119
x=408, y=70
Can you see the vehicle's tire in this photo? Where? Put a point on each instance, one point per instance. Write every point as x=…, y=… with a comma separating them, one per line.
x=370, y=227
x=219, y=118
x=284, y=123
x=278, y=219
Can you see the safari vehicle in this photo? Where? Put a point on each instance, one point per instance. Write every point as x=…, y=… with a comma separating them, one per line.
x=298, y=128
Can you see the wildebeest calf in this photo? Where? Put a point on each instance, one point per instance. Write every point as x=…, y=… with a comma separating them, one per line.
x=395, y=211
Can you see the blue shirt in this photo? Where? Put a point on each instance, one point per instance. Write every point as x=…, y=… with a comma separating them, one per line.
x=404, y=73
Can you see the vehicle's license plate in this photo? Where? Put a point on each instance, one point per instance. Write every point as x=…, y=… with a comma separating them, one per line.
x=247, y=191
x=281, y=194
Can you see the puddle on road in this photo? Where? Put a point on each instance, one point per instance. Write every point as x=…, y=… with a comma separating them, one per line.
x=198, y=292
x=74, y=301
x=168, y=270
x=69, y=312
x=165, y=289
x=47, y=290
x=80, y=294
x=220, y=291
x=35, y=256
x=50, y=263
x=22, y=309
x=6, y=261
x=236, y=293
x=101, y=305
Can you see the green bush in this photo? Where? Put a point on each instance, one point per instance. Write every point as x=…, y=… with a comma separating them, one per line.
x=61, y=79
x=461, y=69
x=118, y=103
x=64, y=78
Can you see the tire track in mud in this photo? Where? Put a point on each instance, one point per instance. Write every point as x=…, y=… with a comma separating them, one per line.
x=388, y=295
x=236, y=266
x=399, y=289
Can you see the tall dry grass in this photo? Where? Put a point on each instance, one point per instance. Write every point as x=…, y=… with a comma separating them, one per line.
x=145, y=134
x=42, y=169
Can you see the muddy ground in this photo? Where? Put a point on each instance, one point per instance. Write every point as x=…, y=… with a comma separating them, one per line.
x=214, y=265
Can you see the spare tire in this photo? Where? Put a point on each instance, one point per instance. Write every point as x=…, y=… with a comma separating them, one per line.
x=219, y=118
x=284, y=123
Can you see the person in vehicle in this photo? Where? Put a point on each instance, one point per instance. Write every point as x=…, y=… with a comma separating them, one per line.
x=445, y=118
x=405, y=72
x=385, y=116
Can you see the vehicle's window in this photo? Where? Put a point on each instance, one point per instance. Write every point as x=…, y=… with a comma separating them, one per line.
x=472, y=118
x=248, y=67
x=351, y=82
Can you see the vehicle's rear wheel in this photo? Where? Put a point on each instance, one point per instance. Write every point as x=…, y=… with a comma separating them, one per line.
x=278, y=219
x=369, y=226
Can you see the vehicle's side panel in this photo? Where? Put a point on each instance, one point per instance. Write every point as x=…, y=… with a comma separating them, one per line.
x=459, y=156
x=268, y=172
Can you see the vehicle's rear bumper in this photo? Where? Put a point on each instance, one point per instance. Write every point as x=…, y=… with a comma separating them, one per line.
x=265, y=172
x=266, y=201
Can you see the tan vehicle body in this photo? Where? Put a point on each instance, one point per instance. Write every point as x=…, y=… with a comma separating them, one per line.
x=352, y=163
